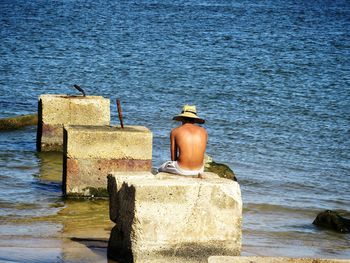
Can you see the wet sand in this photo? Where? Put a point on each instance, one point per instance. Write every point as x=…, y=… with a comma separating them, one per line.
x=69, y=231
x=78, y=233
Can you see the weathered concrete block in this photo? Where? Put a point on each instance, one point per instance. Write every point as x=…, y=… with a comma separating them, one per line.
x=18, y=122
x=91, y=152
x=54, y=111
x=227, y=259
x=171, y=218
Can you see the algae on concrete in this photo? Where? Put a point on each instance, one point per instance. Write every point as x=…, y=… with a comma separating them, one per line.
x=18, y=122
x=96, y=191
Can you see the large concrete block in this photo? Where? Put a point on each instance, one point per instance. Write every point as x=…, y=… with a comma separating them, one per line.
x=54, y=111
x=91, y=152
x=171, y=218
x=230, y=259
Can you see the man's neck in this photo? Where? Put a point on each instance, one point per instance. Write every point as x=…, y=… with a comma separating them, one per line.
x=187, y=123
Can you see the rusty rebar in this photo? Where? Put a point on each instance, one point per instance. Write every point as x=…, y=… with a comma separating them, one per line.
x=120, y=114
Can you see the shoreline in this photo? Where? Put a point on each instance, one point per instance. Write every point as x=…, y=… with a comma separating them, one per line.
x=64, y=249
x=87, y=222
x=75, y=237
x=79, y=229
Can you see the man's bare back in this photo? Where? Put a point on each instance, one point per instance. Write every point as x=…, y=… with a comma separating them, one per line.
x=188, y=143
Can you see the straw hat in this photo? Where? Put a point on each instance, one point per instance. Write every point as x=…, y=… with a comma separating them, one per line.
x=189, y=111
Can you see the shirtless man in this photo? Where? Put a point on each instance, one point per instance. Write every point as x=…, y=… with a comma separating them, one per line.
x=188, y=143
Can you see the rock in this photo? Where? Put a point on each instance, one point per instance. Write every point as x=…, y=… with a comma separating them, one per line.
x=18, y=122
x=332, y=220
x=207, y=159
x=220, y=169
x=172, y=218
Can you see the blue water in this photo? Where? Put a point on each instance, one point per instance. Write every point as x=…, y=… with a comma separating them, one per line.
x=271, y=78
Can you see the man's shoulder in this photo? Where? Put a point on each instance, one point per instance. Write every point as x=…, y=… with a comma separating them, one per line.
x=200, y=128
x=189, y=128
x=175, y=129
x=203, y=131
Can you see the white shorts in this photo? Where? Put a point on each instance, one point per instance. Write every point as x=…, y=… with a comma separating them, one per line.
x=174, y=168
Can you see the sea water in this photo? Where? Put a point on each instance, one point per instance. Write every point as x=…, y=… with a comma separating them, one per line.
x=271, y=78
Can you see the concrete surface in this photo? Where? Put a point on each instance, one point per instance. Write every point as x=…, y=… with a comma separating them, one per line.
x=172, y=218
x=231, y=259
x=91, y=152
x=54, y=111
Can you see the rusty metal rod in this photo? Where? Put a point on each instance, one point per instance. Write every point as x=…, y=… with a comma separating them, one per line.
x=80, y=89
x=120, y=114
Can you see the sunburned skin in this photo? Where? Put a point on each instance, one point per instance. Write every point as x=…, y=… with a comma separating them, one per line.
x=188, y=143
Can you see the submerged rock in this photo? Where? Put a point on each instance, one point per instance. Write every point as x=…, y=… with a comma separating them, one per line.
x=332, y=220
x=220, y=169
x=17, y=122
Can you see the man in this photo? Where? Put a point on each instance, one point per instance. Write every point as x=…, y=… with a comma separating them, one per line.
x=187, y=144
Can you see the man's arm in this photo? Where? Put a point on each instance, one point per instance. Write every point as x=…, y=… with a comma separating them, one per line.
x=173, y=147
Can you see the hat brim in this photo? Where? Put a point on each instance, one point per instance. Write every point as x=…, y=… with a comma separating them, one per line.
x=184, y=117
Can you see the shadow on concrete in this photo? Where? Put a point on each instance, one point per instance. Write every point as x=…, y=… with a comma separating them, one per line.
x=119, y=245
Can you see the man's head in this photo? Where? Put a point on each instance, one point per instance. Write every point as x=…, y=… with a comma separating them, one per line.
x=189, y=114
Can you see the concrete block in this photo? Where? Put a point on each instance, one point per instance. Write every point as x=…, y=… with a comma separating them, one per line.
x=172, y=218
x=54, y=111
x=230, y=259
x=91, y=152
